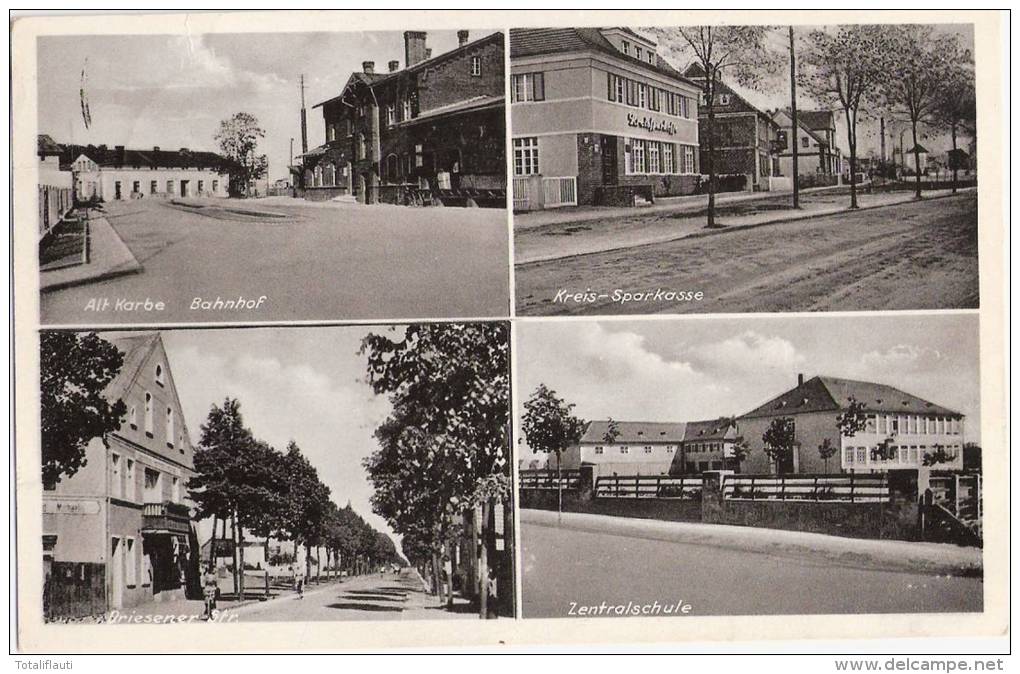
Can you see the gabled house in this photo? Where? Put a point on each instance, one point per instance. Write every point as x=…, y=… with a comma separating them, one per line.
x=818, y=139
x=125, y=515
x=907, y=426
x=745, y=138
x=56, y=196
x=707, y=445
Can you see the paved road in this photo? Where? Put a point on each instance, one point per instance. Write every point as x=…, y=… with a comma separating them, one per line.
x=561, y=565
x=911, y=256
x=390, y=597
x=312, y=262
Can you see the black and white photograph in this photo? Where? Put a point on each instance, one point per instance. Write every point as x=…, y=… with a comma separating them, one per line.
x=275, y=475
x=733, y=169
x=750, y=466
x=272, y=176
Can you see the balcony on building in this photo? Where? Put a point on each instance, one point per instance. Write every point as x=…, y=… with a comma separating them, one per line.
x=166, y=517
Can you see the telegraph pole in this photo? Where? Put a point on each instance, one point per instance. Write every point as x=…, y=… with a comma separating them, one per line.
x=304, y=120
x=793, y=117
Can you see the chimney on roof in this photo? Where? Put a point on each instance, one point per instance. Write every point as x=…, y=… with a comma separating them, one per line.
x=462, y=38
x=155, y=148
x=120, y=153
x=800, y=379
x=368, y=67
x=414, y=47
x=184, y=150
x=394, y=66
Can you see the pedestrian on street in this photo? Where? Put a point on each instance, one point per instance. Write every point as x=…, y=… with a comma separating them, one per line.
x=210, y=588
x=299, y=580
x=492, y=606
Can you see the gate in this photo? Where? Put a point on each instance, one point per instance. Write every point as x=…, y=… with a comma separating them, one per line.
x=74, y=590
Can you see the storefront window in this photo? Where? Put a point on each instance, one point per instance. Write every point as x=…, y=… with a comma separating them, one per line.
x=653, y=157
x=525, y=156
x=639, y=156
x=688, y=159
x=668, y=165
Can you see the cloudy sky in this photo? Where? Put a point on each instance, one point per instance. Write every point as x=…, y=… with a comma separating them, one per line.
x=301, y=384
x=703, y=368
x=173, y=90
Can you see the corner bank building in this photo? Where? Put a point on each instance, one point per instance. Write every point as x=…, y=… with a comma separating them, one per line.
x=598, y=118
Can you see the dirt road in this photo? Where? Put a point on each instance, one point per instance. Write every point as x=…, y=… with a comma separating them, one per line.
x=911, y=256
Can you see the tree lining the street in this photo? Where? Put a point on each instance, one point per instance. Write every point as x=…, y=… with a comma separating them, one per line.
x=956, y=109
x=238, y=139
x=550, y=426
x=74, y=372
x=443, y=452
x=740, y=52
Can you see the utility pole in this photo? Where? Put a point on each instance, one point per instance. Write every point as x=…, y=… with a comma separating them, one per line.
x=793, y=117
x=304, y=120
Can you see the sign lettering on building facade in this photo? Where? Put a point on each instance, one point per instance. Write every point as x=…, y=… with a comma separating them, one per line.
x=70, y=507
x=651, y=124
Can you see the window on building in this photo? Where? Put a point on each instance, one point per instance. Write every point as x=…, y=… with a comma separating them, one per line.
x=642, y=96
x=668, y=165
x=131, y=492
x=153, y=187
x=116, y=483
x=215, y=186
x=624, y=449
x=476, y=66
x=317, y=179
x=862, y=455
x=654, y=166
x=133, y=416
x=175, y=489
x=617, y=87
x=159, y=374
x=526, y=156
x=131, y=561
x=153, y=486
x=170, y=427
x=626, y=47
x=648, y=449
x=201, y=186
x=848, y=455
x=136, y=187
x=169, y=187
x=638, y=152
x=639, y=53
x=670, y=449
x=330, y=133
x=689, y=167
x=600, y=450
x=651, y=57
x=391, y=114
x=148, y=414
x=526, y=87
x=653, y=98
x=805, y=142
x=724, y=99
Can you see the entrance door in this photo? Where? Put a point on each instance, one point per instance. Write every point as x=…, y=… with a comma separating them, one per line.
x=609, y=159
x=116, y=573
x=116, y=191
x=185, y=188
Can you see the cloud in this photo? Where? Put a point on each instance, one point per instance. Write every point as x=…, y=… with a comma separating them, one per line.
x=748, y=352
x=902, y=358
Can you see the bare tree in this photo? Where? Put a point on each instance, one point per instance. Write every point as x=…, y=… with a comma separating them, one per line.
x=843, y=66
x=956, y=109
x=739, y=52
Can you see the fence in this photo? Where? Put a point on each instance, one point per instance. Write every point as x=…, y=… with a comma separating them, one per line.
x=74, y=590
x=560, y=191
x=648, y=486
x=872, y=488
x=546, y=479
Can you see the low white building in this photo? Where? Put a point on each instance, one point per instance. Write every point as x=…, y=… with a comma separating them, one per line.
x=101, y=173
x=55, y=185
x=639, y=448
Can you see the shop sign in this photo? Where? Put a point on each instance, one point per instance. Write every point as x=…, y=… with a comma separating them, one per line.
x=651, y=124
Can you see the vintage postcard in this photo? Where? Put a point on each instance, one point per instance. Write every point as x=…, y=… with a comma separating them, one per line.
x=509, y=330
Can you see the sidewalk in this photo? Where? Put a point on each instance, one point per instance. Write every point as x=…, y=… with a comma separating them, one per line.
x=616, y=229
x=934, y=558
x=109, y=257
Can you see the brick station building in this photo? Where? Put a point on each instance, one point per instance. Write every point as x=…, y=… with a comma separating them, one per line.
x=434, y=130
x=598, y=117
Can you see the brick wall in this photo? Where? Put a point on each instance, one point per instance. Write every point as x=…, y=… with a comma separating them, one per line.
x=451, y=81
x=589, y=167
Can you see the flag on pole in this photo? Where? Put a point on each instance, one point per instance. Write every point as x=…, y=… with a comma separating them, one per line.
x=86, y=114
